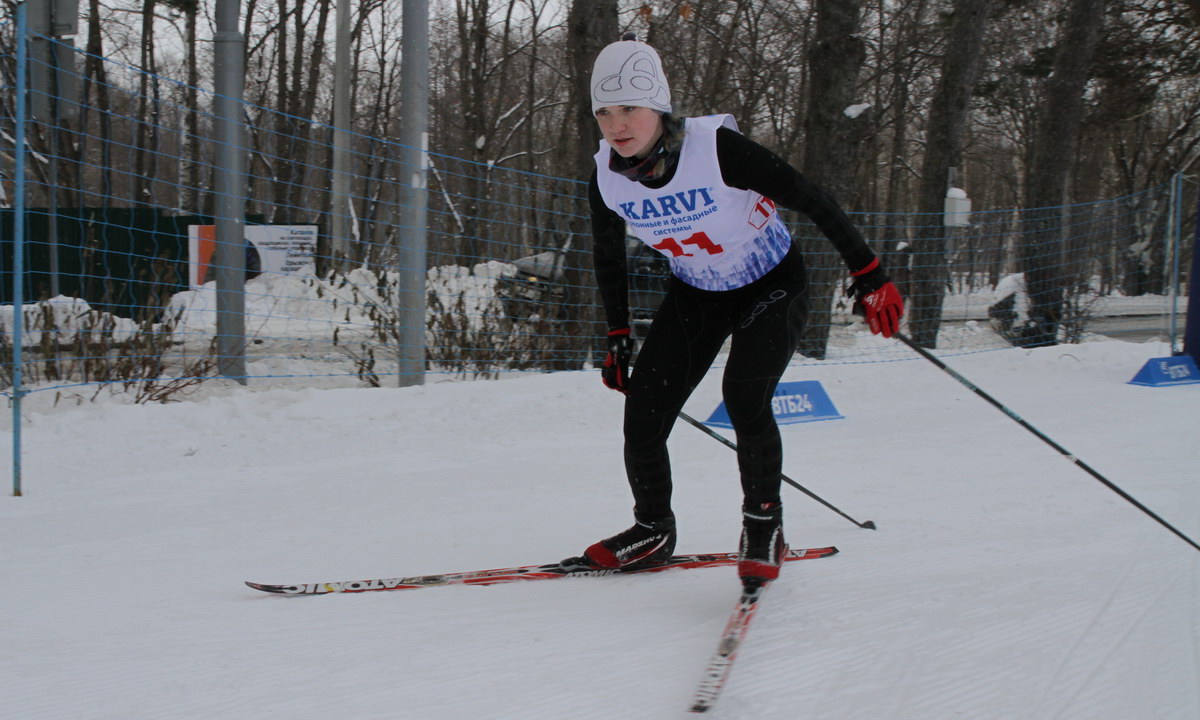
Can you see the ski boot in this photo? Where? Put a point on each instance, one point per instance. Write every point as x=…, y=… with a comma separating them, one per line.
x=648, y=542
x=762, y=548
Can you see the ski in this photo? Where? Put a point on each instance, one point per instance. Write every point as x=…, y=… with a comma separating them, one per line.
x=716, y=673
x=516, y=574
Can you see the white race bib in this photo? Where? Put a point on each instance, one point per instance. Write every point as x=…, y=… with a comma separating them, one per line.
x=715, y=237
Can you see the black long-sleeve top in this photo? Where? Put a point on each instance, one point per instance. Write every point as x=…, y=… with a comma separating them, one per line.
x=745, y=165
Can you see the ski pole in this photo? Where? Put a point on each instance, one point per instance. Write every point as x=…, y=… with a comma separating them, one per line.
x=1021, y=421
x=869, y=524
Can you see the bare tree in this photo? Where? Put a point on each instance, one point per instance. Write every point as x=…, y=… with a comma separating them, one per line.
x=1060, y=117
x=1146, y=116
x=509, y=92
x=899, y=75
x=96, y=99
x=189, y=170
x=591, y=24
x=943, y=150
x=145, y=152
x=832, y=142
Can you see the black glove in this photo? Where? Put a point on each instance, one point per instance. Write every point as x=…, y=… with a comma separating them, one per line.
x=615, y=372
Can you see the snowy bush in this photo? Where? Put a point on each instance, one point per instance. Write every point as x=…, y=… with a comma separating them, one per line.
x=65, y=341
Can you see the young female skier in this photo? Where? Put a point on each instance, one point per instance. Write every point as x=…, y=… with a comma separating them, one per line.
x=704, y=195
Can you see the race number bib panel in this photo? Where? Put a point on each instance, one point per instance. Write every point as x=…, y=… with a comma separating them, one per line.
x=715, y=237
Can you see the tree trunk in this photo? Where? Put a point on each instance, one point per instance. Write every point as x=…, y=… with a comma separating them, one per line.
x=897, y=250
x=591, y=24
x=307, y=100
x=943, y=150
x=472, y=17
x=96, y=79
x=830, y=152
x=283, y=156
x=146, y=135
x=189, y=199
x=1059, y=119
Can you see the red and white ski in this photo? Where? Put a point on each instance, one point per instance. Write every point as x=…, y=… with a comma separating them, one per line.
x=518, y=574
x=716, y=673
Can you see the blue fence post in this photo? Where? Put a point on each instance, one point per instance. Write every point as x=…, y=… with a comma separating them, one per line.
x=19, y=244
x=1175, y=246
x=1191, y=336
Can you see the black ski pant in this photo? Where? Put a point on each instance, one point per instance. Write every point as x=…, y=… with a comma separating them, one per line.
x=763, y=320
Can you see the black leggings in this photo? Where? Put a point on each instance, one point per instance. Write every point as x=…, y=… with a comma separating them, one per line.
x=764, y=320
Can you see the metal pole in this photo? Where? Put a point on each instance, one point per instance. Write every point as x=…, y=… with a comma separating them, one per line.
x=1043, y=437
x=19, y=244
x=339, y=205
x=414, y=138
x=230, y=252
x=1191, y=335
x=1174, y=233
x=866, y=524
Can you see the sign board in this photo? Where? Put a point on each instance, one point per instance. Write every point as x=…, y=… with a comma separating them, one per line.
x=1158, y=372
x=54, y=17
x=270, y=249
x=957, y=209
x=794, y=402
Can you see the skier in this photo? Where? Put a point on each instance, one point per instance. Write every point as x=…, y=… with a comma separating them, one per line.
x=704, y=195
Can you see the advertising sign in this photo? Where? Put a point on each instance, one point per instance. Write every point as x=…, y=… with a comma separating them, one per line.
x=794, y=402
x=270, y=249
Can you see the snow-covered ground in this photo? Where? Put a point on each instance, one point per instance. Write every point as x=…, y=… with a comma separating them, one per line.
x=1002, y=582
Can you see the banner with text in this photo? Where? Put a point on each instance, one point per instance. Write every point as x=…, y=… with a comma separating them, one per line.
x=794, y=402
x=270, y=249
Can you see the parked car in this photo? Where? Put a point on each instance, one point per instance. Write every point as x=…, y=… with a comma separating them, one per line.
x=539, y=286
x=538, y=289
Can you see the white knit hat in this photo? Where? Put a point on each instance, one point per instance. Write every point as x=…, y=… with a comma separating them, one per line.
x=629, y=72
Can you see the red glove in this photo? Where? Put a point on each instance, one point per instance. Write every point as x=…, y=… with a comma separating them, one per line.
x=615, y=372
x=877, y=299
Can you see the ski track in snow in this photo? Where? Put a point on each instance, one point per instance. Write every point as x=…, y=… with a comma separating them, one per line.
x=1003, y=582
x=1087, y=630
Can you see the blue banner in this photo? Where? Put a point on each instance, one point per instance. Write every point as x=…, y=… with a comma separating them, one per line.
x=794, y=402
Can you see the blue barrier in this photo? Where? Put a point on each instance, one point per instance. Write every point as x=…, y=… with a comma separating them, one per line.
x=794, y=402
x=1159, y=372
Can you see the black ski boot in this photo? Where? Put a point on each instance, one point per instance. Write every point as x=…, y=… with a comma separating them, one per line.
x=646, y=543
x=761, y=550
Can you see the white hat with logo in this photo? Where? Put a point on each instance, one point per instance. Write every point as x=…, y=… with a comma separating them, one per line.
x=629, y=72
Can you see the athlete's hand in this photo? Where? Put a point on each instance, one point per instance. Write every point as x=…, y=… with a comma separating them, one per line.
x=877, y=300
x=615, y=372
